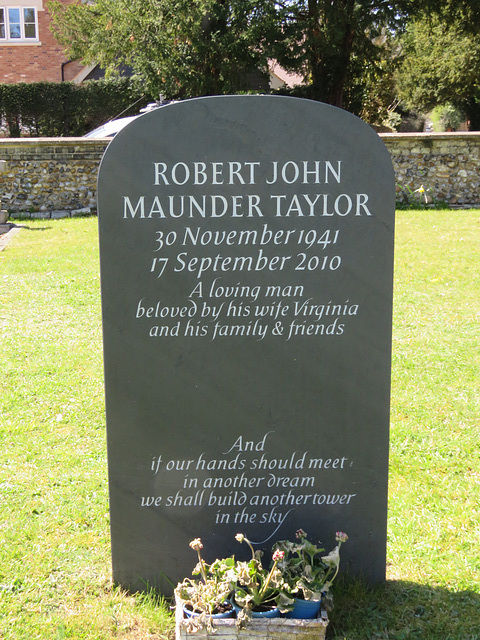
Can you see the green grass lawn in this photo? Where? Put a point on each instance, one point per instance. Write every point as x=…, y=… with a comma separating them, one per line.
x=54, y=534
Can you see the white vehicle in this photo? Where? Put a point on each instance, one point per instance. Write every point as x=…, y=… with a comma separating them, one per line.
x=110, y=129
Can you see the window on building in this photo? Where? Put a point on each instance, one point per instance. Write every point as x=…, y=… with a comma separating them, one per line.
x=18, y=24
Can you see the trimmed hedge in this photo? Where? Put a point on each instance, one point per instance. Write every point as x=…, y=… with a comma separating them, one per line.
x=49, y=109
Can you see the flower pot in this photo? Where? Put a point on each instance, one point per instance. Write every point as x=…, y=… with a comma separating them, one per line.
x=274, y=612
x=225, y=614
x=3, y=216
x=265, y=612
x=305, y=609
x=268, y=613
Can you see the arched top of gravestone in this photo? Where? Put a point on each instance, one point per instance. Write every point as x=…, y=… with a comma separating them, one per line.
x=247, y=129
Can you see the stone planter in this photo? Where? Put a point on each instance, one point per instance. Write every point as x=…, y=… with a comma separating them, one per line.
x=259, y=629
x=3, y=216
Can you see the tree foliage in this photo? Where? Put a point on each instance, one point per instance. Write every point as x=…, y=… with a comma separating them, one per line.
x=188, y=48
x=344, y=49
x=181, y=48
x=336, y=43
x=441, y=66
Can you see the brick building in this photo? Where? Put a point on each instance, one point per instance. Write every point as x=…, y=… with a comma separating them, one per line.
x=28, y=50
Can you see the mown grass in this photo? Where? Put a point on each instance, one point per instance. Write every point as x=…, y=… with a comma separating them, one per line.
x=54, y=535
x=433, y=587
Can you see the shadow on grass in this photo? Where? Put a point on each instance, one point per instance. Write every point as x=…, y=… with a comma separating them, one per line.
x=399, y=610
x=25, y=226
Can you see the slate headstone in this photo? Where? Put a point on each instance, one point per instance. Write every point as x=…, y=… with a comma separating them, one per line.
x=246, y=266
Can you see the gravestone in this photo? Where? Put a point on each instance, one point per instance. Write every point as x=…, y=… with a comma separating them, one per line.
x=246, y=248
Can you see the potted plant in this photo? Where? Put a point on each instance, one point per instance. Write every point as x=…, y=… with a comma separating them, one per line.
x=307, y=573
x=207, y=597
x=259, y=592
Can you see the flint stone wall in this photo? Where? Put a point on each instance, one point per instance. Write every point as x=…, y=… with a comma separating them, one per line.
x=57, y=177
x=50, y=177
x=445, y=165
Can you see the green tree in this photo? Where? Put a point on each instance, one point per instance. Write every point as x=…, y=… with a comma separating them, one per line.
x=201, y=47
x=180, y=48
x=344, y=47
x=440, y=66
x=185, y=48
x=370, y=91
x=337, y=44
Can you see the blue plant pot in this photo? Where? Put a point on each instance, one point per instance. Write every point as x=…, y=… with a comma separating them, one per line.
x=270, y=613
x=274, y=612
x=225, y=614
x=305, y=609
